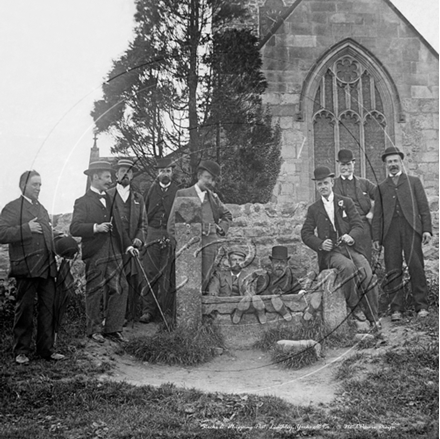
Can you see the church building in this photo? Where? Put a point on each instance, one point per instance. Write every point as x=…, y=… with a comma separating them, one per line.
x=347, y=74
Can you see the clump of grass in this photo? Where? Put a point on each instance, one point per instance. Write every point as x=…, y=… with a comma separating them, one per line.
x=184, y=345
x=294, y=360
x=310, y=330
x=314, y=329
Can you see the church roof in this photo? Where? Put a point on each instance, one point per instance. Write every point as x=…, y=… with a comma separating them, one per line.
x=291, y=9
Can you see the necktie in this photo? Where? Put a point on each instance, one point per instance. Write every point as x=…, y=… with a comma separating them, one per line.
x=102, y=198
x=235, y=284
x=395, y=179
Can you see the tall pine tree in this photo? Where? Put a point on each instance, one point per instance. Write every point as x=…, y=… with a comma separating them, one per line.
x=192, y=82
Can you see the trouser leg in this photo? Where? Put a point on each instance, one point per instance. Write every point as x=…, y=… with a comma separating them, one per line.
x=23, y=318
x=412, y=248
x=94, y=298
x=393, y=263
x=209, y=252
x=45, y=334
x=152, y=267
x=116, y=291
x=346, y=278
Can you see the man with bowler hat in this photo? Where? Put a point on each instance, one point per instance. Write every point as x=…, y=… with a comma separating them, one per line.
x=26, y=227
x=338, y=229
x=158, y=254
x=215, y=217
x=402, y=223
x=103, y=244
x=129, y=214
x=360, y=191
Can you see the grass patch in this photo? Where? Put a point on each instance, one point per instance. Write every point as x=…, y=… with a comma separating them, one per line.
x=399, y=386
x=183, y=346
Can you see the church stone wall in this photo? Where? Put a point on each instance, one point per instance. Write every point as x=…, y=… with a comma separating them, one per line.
x=312, y=29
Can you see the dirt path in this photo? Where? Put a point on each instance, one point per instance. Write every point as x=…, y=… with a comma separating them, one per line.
x=242, y=371
x=235, y=371
x=246, y=371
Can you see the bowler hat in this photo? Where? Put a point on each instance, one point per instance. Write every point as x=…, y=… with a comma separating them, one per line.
x=392, y=150
x=164, y=162
x=279, y=252
x=322, y=172
x=66, y=247
x=127, y=163
x=345, y=156
x=212, y=167
x=98, y=166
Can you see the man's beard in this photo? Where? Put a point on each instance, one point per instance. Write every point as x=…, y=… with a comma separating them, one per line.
x=124, y=182
x=165, y=180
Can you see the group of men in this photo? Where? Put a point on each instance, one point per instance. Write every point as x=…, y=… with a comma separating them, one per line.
x=351, y=217
x=128, y=246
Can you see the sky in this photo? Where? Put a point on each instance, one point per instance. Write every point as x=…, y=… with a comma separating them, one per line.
x=54, y=55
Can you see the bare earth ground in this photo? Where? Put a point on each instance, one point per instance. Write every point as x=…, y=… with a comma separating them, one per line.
x=239, y=371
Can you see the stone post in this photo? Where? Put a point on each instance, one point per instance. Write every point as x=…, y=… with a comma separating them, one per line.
x=188, y=233
x=334, y=307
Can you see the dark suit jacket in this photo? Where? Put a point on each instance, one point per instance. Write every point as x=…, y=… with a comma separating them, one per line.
x=138, y=218
x=89, y=210
x=222, y=216
x=413, y=202
x=317, y=218
x=30, y=254
x=154, y=198
x=365, y=191
x=221, y=284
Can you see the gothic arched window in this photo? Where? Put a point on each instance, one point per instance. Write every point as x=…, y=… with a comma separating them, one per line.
x=348, y=113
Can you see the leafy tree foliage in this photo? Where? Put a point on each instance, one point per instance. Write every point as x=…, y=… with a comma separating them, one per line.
x=190, y=82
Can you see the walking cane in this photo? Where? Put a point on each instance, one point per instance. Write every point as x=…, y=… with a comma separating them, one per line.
x=152, y=292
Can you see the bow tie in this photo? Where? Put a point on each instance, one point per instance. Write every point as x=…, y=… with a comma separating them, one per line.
x=101, y=196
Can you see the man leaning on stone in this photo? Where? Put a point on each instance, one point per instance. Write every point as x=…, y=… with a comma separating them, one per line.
x=361, y=192
x=215, y=217
x=25, y=226
x=338, y=228
x=159, y=253
x=401, y=224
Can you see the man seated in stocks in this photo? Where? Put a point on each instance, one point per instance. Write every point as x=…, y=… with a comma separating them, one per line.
x=229, y=282
x=339, y=227
x=275, y=282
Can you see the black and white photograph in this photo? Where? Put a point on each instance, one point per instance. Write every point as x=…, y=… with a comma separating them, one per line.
x=219, y=219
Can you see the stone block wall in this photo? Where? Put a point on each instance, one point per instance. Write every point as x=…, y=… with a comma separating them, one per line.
x=310, y=31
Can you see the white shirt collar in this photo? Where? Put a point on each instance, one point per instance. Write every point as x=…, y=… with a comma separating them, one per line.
x=93, y=189
x=397, y=175
x=164, y=185
x=200, y=193
x=330, y=199
x=347, y=178
x=26, y=198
